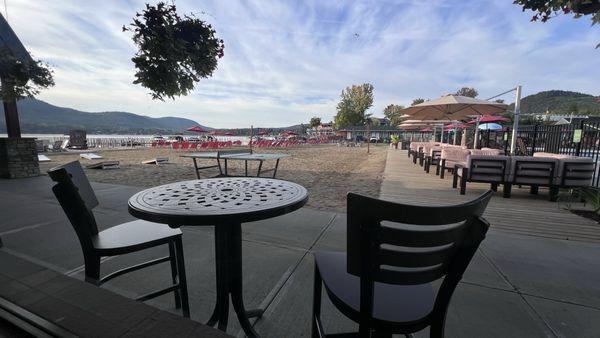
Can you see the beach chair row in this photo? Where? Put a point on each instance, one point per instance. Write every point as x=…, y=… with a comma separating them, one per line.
x=273, y=143
x=185, y=145
x=487, y=165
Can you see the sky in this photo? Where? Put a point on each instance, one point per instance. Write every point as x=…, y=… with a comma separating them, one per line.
x=287, y=61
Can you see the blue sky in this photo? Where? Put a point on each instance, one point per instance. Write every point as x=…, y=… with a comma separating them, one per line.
x=286, y=61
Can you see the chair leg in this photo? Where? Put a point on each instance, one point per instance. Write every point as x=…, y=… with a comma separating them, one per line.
x=534, y=190
x=437, y=168
x=454, y=179
x=185, y=305
x=494, y=186
x=173, y=261
x=92, y=269
x=554, y=190
x=506, y=190
x=317, y=329
x=463, y=184
x=436, y=330
x=443, y=167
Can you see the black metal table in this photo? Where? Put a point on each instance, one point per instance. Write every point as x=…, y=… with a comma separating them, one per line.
x=226, y=203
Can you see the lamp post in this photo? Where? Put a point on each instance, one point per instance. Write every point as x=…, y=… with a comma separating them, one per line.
x=513, y=140
x=368, y=123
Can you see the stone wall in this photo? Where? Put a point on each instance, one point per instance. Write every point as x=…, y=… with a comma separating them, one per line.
x=18, y=158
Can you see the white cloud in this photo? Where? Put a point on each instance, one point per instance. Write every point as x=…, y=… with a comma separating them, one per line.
x=287, y=61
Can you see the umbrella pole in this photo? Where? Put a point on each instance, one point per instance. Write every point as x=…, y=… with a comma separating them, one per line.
x=454, y=140
x=513, y=140
x=442, y=134
x=476, y=137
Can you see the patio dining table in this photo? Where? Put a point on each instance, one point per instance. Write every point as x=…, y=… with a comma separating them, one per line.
x=226, y=203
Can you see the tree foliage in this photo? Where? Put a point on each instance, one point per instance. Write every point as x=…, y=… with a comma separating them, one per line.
x=417, y=101
x=315, y=122
x=23, y=79
x=355, y=100
x=392, y=113
x=174, y=53
x=546, y=9
x=467, y=91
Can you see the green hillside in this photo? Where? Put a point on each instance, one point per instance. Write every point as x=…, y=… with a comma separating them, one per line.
x=39, y=117
x=560, y=102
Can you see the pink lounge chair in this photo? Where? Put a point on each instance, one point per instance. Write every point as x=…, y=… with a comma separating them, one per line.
x=175, y=145
x=185, y=145
x=204, y=145
x=193, y=146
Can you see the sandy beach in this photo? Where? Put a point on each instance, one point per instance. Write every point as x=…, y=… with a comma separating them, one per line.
x=327, y=171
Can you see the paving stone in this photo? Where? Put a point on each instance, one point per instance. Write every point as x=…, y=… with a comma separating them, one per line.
x=568, y=320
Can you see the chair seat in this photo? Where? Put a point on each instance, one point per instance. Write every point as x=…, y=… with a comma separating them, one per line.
x=132, y=236
x=407, y=304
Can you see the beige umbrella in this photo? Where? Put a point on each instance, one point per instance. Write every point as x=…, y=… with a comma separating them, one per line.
x=454, y=107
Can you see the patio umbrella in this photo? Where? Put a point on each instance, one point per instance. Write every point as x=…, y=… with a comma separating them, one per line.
x=490, y=119
x=228, y=134
x=197, y=129
x=453, y=107
x=490, y=126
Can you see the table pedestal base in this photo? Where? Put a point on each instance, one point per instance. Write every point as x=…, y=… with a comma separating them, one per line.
x=228, y=249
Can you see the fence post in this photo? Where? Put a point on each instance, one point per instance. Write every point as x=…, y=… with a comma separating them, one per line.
x=534, y=141
x=578, y=149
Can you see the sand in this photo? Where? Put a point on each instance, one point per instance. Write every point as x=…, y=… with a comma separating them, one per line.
x=328, y=172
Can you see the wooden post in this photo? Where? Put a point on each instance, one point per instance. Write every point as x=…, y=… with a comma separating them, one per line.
x=10, y=112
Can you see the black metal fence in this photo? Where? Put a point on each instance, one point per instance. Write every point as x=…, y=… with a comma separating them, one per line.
x=579, y=139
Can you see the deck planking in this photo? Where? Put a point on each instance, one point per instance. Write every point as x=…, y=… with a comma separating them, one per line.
x=523, y=213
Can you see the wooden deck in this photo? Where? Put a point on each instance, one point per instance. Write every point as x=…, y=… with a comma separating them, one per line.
x=523, y=213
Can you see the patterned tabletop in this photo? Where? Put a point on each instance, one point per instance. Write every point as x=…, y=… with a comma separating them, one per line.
x=202, y=202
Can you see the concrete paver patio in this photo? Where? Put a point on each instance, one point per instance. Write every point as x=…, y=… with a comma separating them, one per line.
x=520, y=284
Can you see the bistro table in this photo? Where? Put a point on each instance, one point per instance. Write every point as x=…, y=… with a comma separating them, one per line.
x=226, y=203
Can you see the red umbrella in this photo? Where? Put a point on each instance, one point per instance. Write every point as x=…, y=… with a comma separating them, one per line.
x=215, y=133
x=490, y=119
x=228, y=134
x=426, y=129
x=197, y=129
x=289, y=132
x=454, y=126
x=262, y=133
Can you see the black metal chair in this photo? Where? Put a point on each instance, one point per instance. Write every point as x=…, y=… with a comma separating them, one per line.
x=77, y=199
x=394, y=254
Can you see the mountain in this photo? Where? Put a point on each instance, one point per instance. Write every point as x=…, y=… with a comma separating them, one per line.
x=560, y=102
x=39, y=117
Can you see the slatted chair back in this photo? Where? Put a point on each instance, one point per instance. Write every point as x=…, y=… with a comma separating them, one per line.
x=76, y=197
x=407, y=245
x=488, y=168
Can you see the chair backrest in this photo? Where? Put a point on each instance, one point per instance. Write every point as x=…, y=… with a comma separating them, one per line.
x=77, y=199
x=406, y=244
x=485, y=151
x=455, y=154
x=533, y=170
x=575, y=172
x=486, y=168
